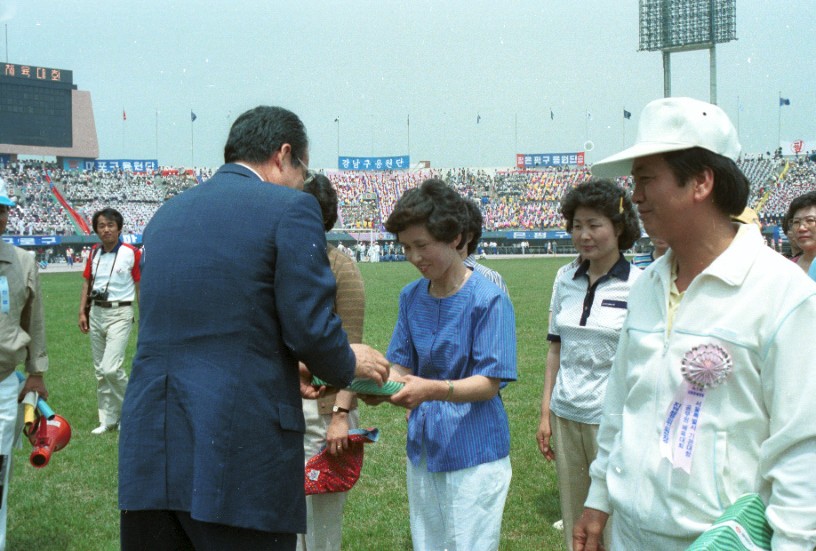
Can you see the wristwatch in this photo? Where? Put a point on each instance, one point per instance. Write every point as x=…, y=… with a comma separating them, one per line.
x=338, y=409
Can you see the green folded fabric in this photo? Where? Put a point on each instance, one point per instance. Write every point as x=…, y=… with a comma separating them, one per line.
x=742, y=526
x=366, y=386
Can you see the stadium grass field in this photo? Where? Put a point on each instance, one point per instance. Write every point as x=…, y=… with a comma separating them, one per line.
x=71, y=503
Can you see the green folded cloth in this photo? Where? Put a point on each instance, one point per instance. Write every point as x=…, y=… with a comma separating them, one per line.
x=366, y=386
x=742, y=526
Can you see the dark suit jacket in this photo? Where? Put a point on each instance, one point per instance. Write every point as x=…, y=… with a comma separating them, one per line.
x=236, y=287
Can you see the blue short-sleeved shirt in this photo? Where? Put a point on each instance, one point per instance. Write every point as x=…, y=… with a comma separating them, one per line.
x=470, y=333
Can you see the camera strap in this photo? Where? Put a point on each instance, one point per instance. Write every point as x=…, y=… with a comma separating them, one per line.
x=101, y=251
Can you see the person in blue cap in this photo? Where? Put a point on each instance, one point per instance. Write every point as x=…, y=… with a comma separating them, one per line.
x=22, y=342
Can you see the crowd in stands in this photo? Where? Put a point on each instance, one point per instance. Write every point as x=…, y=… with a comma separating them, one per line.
x=136, y=195
x=797, y=177
x=37, y=211
x=510, y=199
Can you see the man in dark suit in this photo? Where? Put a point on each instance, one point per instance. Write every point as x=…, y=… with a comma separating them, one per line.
x=236, y=288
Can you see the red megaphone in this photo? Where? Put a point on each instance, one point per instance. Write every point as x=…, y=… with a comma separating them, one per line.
x=49, y=436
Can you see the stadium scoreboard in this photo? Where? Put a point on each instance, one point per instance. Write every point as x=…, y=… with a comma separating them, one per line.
x=36, y=106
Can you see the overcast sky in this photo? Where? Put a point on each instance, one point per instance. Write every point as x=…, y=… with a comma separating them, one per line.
x=373, y=63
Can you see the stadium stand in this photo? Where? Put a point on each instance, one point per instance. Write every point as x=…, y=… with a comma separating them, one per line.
x=510, y=199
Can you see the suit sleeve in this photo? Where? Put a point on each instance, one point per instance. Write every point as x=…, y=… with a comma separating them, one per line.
x=304, y=293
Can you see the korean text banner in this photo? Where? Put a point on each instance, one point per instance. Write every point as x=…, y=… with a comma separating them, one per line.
x=398, y=162
x=538, y=160
x=127, y=165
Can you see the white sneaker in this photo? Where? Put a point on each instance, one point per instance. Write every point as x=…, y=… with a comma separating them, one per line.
x=558, y=524
x=102, y=429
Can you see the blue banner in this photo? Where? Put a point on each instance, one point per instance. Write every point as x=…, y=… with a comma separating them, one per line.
x=127, y=165
x=553, y=234
x=33, y=240
x=397, y=162
x=540, y=160
x=48, y=240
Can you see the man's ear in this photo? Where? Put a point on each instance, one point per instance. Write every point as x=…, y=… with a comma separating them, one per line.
x=703, y=184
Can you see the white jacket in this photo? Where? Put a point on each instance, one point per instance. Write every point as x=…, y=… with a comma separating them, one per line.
x=757, y=430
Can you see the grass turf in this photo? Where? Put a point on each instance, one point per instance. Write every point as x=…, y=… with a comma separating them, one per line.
x=71, y=503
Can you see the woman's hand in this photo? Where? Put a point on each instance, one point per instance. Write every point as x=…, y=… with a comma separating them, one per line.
x=544, y=438
x=337, y=434
x=416, y=391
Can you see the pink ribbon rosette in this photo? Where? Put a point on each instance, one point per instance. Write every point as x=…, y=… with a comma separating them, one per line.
x=706, y=366
x=703, y=367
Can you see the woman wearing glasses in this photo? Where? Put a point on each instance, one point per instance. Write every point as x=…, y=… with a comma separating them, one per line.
x=802, y=223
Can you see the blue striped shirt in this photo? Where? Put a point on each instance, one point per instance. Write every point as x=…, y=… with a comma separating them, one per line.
x=470, y=333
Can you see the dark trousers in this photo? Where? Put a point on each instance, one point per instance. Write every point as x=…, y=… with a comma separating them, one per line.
x=177, y=531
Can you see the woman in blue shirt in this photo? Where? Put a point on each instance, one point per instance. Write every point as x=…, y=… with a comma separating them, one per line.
x=453, y=346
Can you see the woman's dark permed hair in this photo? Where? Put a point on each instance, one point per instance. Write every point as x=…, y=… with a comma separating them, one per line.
x=323, y=190
x=611, y=200
x=110, y=214
x=731, y=187
x=258, y=133
x=434, y=205
x=802, y=202
x=475, y=221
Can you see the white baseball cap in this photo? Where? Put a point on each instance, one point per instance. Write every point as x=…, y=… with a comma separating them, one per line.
x=673, y=124
x=4, y=196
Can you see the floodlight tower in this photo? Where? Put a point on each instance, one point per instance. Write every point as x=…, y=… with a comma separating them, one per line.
x=684, y=25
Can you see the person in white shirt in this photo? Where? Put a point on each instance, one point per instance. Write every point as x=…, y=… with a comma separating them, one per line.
x=710, y=393
x=109, y=291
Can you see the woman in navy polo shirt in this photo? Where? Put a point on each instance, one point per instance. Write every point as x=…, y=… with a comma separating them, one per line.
x=587, y=311
x=453, y=346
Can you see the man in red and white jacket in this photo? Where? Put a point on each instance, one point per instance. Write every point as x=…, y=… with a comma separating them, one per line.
x=112, y=275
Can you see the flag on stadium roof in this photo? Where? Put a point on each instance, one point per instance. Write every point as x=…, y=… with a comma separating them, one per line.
x=192, y=116
x=783, y=101
x=627, y=114
x=552, y=115
x=124, y=115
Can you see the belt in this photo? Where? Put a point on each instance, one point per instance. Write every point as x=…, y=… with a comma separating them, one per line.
x=112, y=304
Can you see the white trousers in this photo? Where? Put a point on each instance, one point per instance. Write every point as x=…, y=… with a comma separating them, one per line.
x=324, y=512
x=458, y=510
x=9, y=389
x=110, y=331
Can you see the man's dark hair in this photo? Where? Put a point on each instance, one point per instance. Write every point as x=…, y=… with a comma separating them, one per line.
x=609, y=199
x=323, y=190
x=731, y=187
x=110, y=214
x=474, y=228
x=257, y=134
x=436, y=206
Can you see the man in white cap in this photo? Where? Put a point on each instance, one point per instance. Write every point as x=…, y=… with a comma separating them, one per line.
x=710, y=394
x=22, y=341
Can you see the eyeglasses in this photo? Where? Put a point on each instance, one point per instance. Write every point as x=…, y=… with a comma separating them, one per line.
x=807, y=221
x=308, y=175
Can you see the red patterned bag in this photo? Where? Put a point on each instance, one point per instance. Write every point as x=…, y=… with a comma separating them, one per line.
x=327, y=473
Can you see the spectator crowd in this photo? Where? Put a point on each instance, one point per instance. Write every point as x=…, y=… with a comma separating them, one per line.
x=509, y=199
